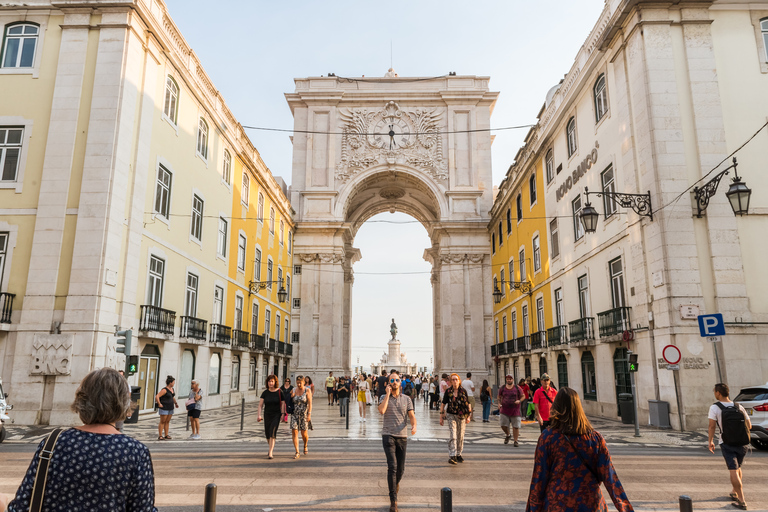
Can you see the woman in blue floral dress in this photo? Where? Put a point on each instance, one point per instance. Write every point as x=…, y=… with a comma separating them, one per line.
x=571, y=462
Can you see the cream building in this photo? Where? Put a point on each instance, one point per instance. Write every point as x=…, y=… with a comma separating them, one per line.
x=659, y=95
x=130, y=196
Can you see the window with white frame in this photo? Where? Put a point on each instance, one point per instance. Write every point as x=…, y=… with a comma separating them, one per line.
x=20, y=45
x=496, y=324
x=559, y=312
x=519, y=207
x=257, y=265
x=601, y=98
x=254, y=318
x=279, y=276
x=196, y=227
x=170, y=108
x=245, y=191
x=238, y=313
x=155, y=282
x=226, y=167
x=260, y=208
x=221, y=246
x=271, y=221
x=241, y=245
x=288, y=286
x=163, y=192
x=214, y=374
x=554, y=236
x=540, y=324
x=282, y=232
x=252, y=373
x=285, y=331
x=536, y=254
x=570, y=136
x=609, y=186
x=532, y=188
x=521, y=264
x=218, y=304
x=526, y=326
x=617, y=282
x=583, y=285
x=764, y=30
x=202, y=139
x=290, y=241
x=3, y=255
x=277, y=326
x=10, y=150
x=550, y=165
x=235, y=373
x=503, y=283
x=578, y=227
x=190, y=299
x=504, y=326
x=514, y=324
x=501, y=235
x=269, y=273
x=267, y=315
x=512, y=269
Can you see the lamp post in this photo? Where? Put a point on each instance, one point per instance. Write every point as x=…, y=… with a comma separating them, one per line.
x=255, y=287
x=738, y=193
x=639, y=203
x=523, y=286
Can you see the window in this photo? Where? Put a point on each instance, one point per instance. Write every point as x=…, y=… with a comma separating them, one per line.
x=501, y=235
x=285, y=330
x=764, y=29
x=495, y=283
x=241, y=253
x=218, y=304
x=20, y=45
x=493, y=242
x=504, y=326
x=252, y=373
x=271, y=221
x=290, y=241
x=512, y=269
x=578, y=227
x=601, y=98
x=609, y=186
x=235, y=373
x=503, y=284
x=526, y=327
x=514, y=324
x=519, y=207
x=238, y=313
x=245, y=191
x=3, y=254
x=536, y=254
x=542, y=365
x=280, y=276
x=196, y=228
x=527, y=368
x=10, y=149
x=282, y=232
x=555, y=237
x=521, y=264
x=562, y=371
x=509, y=220
x=288, y=286
x=255, y=318
x=260, y=208
x=190, y=299
x=163, y=192
x=294, y=337
x=497, y=331
x=257, y=265
x=296, y=303
x=588, y=379
x=170, y=107
x=155, y=284
x=540, y=324
x=277, y=327
x=269, y=274
x=222, y=242
x=559, y=315
x=570, y=135
x=267, y=315
x=214, y=373
x=532, y=189
x=617, y=282
x=583, y=296
x=550, y=165
x=226, y=167
x=202, y=139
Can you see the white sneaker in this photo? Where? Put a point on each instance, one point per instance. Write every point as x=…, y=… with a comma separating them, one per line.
x=196, y=436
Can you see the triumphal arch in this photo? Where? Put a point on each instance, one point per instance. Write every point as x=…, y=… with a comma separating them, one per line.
x=369, y=145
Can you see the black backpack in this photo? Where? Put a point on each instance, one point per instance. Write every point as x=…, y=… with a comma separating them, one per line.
x=734, y=426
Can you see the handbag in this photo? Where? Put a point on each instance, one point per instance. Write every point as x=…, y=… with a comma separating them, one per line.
x=41, y=477
x=190, y=403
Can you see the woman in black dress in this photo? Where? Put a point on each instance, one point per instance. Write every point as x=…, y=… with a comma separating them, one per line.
x=286, y=389
x=273, y=405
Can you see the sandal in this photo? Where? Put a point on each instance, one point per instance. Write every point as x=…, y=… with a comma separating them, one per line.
x=741, y=505
x=734, y=496
x=305, y=450
x=160, y=438
x=270, y=457
x=296, y=456
x=168, y=437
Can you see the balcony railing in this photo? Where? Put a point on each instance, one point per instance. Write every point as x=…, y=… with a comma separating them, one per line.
x=257, y=342
x=512, y=346
x=6, y=307
x=241, y=339
x=614, y=321
x=273, y=345
x=494, y=351
x=281, y=347
x=524, y=343
x=288, y=349
x=582, y=329
x=557, y=335
x=157, y=319
x=221, y=334
x=539, y=340
x=194, y=328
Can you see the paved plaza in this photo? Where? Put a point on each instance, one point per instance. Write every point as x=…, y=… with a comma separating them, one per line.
x=345, y=469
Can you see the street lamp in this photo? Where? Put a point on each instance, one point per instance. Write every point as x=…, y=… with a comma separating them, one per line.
x=589, y=216
x=255, y=287
x=282, y=295
x=497, y=295
x=523, y=286
x=639, y=203
x=738, y=193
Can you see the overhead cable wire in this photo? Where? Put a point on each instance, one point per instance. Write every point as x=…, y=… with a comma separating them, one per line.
x=386, y=134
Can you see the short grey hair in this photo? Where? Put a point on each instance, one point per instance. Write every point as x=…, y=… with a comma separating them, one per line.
x=103, y=397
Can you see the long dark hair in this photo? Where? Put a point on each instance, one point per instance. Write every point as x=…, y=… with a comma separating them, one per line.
x=567, y=415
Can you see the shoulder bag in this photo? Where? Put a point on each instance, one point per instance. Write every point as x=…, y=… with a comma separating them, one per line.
x=41, y=476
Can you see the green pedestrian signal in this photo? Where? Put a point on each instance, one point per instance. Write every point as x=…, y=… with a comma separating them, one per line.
x=633, y=367
x=632, y=362
x=132, y=365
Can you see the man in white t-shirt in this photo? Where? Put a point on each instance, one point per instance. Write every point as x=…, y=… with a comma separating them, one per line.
x=733, y=455
x=469, y=387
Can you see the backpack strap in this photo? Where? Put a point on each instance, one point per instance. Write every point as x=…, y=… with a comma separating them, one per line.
x=41, y=476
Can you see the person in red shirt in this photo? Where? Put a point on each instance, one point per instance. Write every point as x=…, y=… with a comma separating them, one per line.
x=542, y=401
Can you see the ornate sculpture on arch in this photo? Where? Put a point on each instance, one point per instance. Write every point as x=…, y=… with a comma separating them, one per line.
x=391, y=135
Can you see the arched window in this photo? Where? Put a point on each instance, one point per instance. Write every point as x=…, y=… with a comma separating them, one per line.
x=588, y=378
x=764, y=29
x=226, y=168
x=20, y=45
x=570, y=133
x=550, y=165
x=542, y=365
x=214, y=374
x=202, y=139
x=170, y=109
x=562, y=371
x=601, y=98
x=527, y=366
x=272, y=221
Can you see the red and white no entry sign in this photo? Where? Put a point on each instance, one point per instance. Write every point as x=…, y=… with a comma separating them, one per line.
x=671, y=354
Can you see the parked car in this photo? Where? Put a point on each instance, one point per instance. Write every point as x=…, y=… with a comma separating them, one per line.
x=4, y=406
x=755, y=400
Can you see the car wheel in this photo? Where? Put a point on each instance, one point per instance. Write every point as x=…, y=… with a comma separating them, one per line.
x=3, y=434
x=760, y=444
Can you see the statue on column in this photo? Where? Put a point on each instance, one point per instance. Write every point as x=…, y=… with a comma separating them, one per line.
x=393, y=329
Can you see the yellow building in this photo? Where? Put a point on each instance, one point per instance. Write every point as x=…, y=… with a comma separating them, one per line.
x=122, y=203
x=522, y=311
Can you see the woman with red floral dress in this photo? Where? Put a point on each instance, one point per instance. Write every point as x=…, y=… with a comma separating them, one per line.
x=571, y=462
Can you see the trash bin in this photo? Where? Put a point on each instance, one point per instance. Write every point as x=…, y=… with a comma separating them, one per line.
x=135, y=397
x=627, y=408
x=659, y=412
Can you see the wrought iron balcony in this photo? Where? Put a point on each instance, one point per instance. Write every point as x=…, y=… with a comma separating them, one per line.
x=557, y=335
x=272, y=345
x=281, y=347
x=257, y=342
x=6, y=307
x=155, y=319
x=194, y=328
x=494, y=351
x=539, y=340
x=241, y=339
x=614, y=321
x=582, y=329
x=289, y=349
x=524, y=343
x=512, y=345
x=221, y=334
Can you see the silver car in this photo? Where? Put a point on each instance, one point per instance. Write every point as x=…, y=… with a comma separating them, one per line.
x=755, y=400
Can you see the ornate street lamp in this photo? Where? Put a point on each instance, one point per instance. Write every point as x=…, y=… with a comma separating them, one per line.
x=589, y=216
x=738, y=193
x=255, y=287
x=282, y=295
x=639, y=203
x=497, y=295
x=523, y=286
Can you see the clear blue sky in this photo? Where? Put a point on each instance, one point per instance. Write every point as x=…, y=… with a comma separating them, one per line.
x=252, y=50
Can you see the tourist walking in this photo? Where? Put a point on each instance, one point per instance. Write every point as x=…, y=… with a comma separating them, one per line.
x=91, y=467
x=272, y=403
x=194, y=408
x=417, y=385
x=524, y=406
x=486, y=398
x=469, y=387
x=362, y=388
x=309, y=384
x=381, y=386
x=570, y=463
x=425, y=390
x=734, y=425
x=330, y=386
x=434, y=398
x=342, y=391
x=166, y=401
x=457, y=410
x=543, y=399
x=511, y=399
x=286, y=391
x=301, y=419
x=397, y=409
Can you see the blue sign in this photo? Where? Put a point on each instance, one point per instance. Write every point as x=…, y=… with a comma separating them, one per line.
x=711, y=325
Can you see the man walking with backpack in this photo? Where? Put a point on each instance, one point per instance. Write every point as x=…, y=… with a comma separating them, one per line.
x=734, y=425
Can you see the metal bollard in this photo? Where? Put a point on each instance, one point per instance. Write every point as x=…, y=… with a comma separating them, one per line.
x=210, y=498
x=446, y=499
x=187, y=423
x=686, y=504
x=242, y=413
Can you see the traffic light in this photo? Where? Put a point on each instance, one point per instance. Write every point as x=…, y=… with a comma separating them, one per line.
x=124, y=346
x=633, y=362
x=132, y=365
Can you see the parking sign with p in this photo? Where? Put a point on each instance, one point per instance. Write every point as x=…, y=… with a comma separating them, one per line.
x=711, y=325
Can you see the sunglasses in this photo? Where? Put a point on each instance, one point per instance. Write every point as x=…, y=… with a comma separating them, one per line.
x=392, y=381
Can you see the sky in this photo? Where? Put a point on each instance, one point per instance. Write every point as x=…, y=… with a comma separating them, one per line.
x=252, y=50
